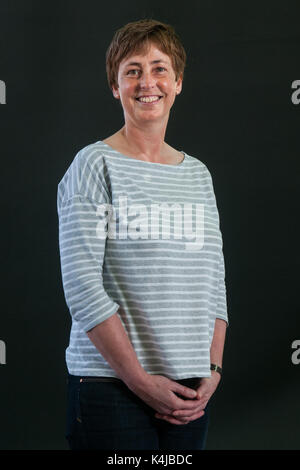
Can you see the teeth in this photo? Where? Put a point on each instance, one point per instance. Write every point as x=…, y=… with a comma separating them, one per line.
x=148, y=99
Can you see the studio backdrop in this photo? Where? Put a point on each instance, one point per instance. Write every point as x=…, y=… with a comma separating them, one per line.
x=239, y=113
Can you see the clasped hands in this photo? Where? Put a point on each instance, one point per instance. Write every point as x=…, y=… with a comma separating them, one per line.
x=204, y=391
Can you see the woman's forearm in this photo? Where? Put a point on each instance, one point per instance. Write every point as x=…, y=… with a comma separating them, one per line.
x=112, y=341
x=218, y=341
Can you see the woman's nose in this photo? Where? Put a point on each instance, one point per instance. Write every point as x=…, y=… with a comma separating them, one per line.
x=147, y=80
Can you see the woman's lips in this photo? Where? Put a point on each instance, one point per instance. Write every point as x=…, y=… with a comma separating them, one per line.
x=149, y=102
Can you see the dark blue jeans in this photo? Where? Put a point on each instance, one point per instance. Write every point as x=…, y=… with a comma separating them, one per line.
x=109, y=416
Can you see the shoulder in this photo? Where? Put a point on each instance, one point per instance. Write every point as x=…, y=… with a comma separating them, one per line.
x=87, y=160
x=89, y=155
x=198, y=164
x=84, y=174
x=200, y=168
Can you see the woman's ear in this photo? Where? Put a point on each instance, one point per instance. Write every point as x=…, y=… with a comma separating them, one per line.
x=179, y=85
x=115, y=92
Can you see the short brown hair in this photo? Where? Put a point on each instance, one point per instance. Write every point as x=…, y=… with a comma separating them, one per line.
x=136, y=37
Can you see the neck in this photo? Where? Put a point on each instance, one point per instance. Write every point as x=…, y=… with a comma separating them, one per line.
x=148, y=143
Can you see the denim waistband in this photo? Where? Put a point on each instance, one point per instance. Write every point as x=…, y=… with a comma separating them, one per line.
x=190, y=381
x=92, y=378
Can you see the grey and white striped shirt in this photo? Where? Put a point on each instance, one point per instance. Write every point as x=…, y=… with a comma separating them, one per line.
x=142, y=239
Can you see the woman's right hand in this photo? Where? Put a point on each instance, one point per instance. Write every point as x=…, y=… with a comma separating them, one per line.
x=159, y=392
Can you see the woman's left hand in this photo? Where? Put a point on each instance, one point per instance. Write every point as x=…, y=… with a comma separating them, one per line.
x=205, y=390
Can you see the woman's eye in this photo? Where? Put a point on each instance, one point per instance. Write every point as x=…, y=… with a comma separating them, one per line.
x=132, y=71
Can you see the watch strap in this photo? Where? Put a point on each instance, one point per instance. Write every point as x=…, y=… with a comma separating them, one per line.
x=216, y=368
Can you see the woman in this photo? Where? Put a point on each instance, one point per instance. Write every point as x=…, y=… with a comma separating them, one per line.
x=142, y=266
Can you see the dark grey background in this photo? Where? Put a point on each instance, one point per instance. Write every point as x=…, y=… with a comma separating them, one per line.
x=236, y=115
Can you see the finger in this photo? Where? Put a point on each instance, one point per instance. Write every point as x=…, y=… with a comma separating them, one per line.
x=201, y=405
x=185, y=414
x=186, y=404
x=186, y=411
x=170, y=419
x=196, y=416
x=200, y=391
x=202, y=394
x=184, y=391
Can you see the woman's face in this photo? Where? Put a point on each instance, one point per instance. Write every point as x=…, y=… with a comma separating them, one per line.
x=151, y=76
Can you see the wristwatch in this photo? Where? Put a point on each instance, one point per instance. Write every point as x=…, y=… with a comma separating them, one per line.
x=216, y=368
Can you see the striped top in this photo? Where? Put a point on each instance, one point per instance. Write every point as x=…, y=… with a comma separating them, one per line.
x=141, y=239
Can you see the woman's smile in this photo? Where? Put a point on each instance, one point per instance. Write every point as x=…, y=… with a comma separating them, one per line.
x=149, y=100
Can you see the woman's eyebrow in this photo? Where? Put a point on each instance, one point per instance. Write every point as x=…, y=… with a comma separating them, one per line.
x=153, y=62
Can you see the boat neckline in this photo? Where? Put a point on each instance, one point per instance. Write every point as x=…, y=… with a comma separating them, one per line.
x=144, y=161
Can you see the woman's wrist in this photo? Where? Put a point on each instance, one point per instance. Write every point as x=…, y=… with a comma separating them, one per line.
x=137, y=381
x=216, y=367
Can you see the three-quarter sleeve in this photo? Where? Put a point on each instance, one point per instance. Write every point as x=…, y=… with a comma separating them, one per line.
x=221, y=304
x=81, y=253
x=82, y=198
x=221, y=311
